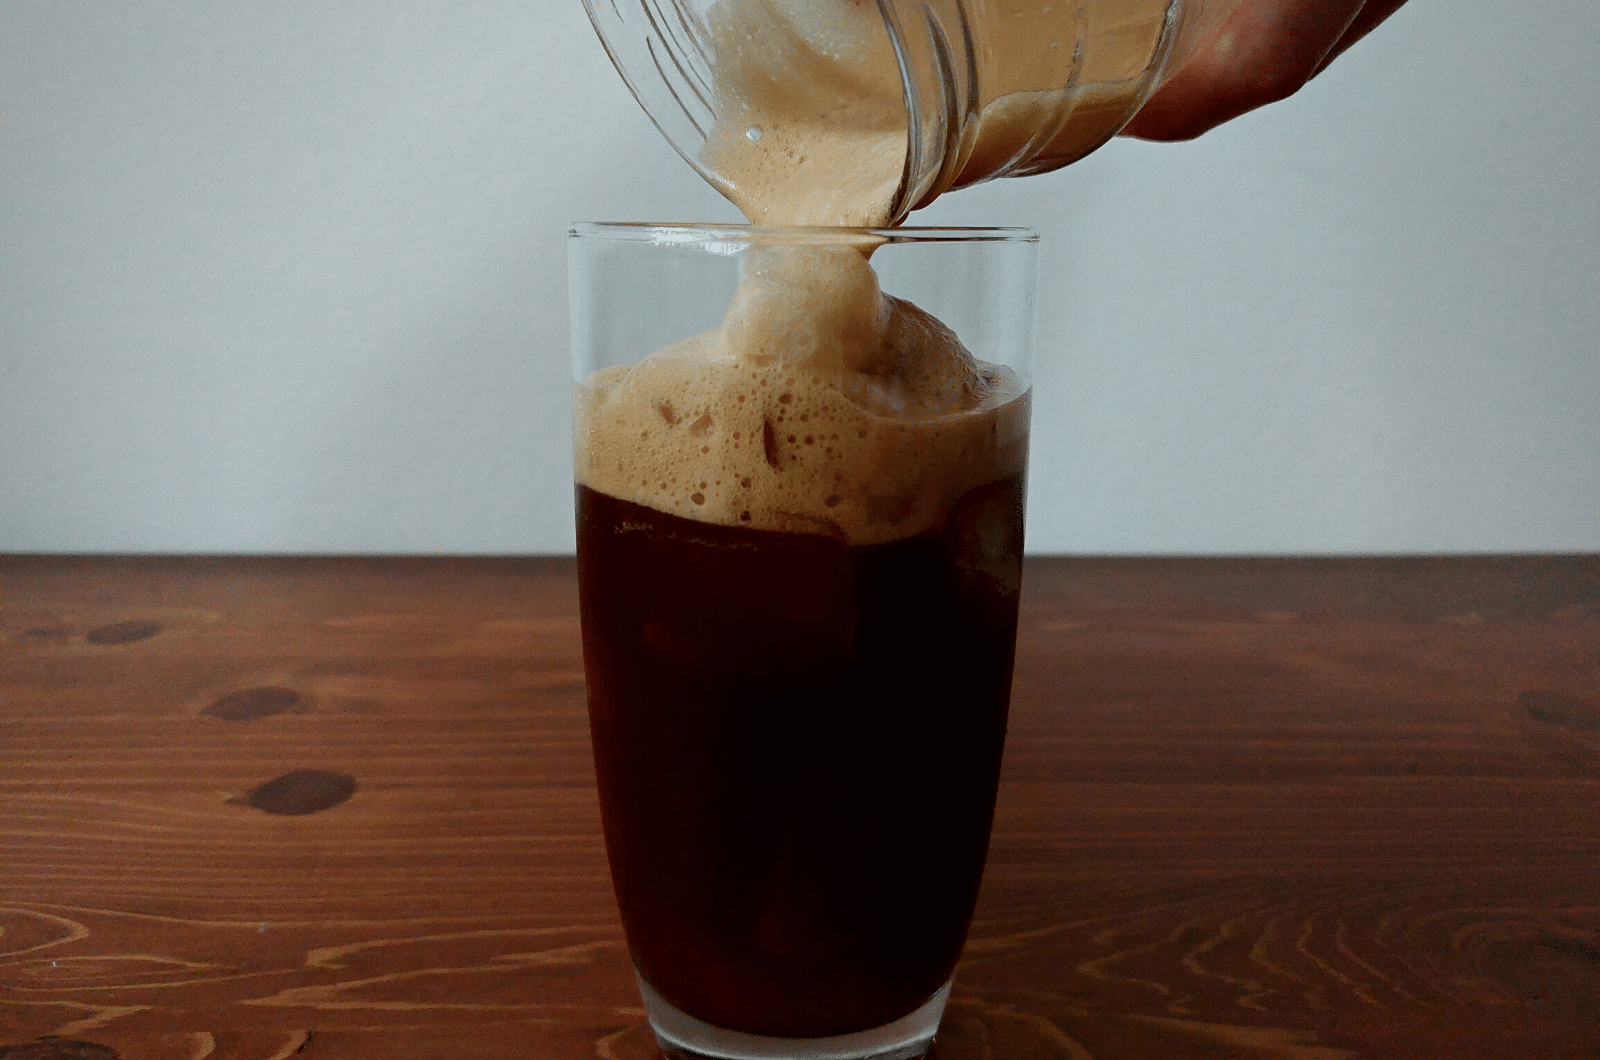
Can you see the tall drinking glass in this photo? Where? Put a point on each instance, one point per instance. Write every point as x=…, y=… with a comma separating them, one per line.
x=800, y=518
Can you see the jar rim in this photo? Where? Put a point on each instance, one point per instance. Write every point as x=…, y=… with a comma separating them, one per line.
x=702, y=233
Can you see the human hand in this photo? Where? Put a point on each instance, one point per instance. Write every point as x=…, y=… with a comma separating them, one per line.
x=1266, y=51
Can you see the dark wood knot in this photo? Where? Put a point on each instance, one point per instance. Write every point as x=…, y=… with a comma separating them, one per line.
x=1565, y=709
x=52, y=1048
x=305, y=791
x=124, y=632
x=248, y=704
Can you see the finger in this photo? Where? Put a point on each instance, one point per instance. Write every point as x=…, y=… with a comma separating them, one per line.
x=1371, y=17
x=1265, y=52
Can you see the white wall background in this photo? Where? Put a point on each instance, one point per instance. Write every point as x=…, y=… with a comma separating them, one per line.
x=289, y=276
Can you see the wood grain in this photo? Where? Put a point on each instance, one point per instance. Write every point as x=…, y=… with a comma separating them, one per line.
x=1300, y=809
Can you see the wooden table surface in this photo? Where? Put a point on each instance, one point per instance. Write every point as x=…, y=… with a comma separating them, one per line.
x=343, y=808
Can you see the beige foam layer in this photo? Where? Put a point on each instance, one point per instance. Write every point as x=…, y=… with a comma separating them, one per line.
x=820, y=406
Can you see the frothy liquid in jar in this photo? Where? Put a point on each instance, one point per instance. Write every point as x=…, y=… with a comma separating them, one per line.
x=811, y=126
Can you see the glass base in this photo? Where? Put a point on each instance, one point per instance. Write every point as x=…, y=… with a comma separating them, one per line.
x=682, y=1037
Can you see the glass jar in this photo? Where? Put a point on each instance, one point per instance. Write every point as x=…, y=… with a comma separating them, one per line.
x=929, y=95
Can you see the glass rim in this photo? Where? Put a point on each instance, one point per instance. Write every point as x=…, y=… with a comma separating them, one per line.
x=696, y=233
